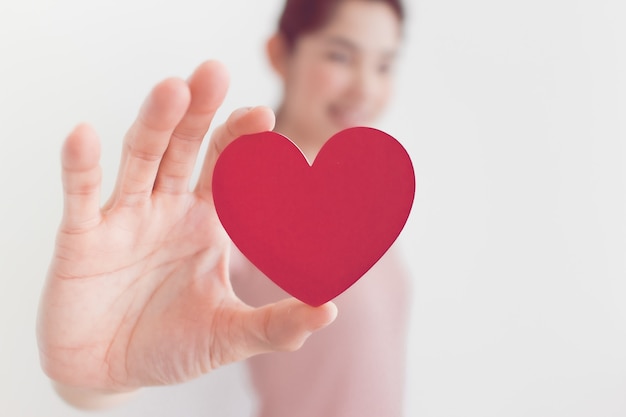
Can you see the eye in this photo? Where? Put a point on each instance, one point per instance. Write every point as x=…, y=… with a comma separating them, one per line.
x=338, y=56
x=385, y=67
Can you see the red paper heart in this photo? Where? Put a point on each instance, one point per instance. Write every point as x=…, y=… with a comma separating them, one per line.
x=314, y=229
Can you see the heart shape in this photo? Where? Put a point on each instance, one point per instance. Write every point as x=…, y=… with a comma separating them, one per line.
x=314, y=229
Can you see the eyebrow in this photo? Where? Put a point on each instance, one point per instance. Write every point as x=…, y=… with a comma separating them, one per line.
x=346, y=43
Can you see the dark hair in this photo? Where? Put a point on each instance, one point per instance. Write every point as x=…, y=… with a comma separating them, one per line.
x=303, y=16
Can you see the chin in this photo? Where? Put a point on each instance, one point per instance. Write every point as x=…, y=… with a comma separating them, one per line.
x=339, y=125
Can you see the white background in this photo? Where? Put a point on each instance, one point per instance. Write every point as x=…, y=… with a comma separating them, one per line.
x=514, y=113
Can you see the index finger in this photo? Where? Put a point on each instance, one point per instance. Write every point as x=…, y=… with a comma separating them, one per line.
x=240, y=122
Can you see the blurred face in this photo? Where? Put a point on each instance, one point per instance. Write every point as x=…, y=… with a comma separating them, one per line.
x=341, y=75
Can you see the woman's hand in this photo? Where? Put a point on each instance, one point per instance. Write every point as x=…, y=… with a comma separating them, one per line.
x=138, y=291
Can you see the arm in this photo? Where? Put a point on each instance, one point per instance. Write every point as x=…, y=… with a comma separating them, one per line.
x=138, y=291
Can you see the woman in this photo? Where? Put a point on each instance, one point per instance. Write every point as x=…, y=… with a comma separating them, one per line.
x=335, y=60
x=138, y=291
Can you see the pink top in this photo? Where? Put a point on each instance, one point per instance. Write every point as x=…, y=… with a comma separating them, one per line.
x=355, y=367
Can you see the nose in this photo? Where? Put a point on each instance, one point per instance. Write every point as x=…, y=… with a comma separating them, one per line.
x=366, y=84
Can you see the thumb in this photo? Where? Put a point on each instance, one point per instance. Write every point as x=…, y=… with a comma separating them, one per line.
x=285, y=325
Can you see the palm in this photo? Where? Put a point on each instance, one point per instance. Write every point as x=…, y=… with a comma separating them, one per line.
x=138, y=292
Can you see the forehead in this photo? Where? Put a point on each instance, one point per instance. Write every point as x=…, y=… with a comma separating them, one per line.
x=368, y=25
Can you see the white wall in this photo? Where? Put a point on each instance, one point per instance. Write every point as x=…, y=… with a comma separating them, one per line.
x=515, y=115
